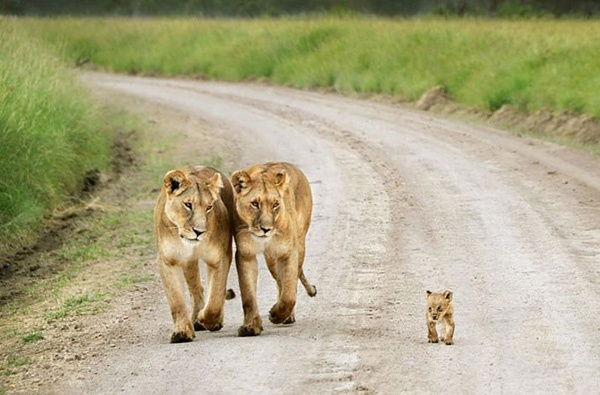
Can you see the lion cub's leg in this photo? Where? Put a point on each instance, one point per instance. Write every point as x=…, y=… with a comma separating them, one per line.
x=286, y=269
x=432, y=335
x=171, y=278
x=192, y=277
x=211, y=317
x=247, y=269
x=449, y=329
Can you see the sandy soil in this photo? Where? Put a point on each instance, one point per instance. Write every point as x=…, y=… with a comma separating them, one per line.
x=404, y=202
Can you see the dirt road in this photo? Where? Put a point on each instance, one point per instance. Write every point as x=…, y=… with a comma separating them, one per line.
x=404, y=202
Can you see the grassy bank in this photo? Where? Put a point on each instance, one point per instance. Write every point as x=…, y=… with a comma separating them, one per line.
x=49, y=135
x=531, y=64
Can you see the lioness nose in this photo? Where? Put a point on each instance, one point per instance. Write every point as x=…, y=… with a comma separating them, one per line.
x=197, y=232
x=265, y=229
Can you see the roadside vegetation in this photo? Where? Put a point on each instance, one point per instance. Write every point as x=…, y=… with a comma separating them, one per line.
x=50, y=136
x=484, y=63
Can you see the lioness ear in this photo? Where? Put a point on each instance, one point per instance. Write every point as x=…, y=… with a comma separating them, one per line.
x=215, y=184
x=282, y=179
x=448, y=295
x=241, y=182
x=175, y=181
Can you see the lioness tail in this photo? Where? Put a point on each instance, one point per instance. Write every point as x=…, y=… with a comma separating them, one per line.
x=311, y=290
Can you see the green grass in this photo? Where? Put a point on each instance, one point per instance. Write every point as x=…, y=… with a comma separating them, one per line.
x=12, y=362
x=531, y=64
x=76, y=305
x=49, y=134
x=33, y=337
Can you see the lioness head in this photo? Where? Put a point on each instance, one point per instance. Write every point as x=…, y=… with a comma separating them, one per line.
x=190, y=201
x=259, y=199
x=438, y=304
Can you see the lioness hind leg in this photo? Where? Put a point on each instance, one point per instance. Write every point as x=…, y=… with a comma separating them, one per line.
x=211, y=317
x=288, y=272
x=183, y=330
x=192, y=277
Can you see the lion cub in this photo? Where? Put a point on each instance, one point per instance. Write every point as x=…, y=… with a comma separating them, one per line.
x=440, y=310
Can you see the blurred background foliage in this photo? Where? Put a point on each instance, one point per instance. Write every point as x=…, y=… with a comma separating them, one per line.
x=250, y=8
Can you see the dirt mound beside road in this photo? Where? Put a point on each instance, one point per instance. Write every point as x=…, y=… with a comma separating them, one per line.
x=579, y=128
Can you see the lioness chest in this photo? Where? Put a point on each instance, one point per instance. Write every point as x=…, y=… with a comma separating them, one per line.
x=182, y=251
x=276, y=245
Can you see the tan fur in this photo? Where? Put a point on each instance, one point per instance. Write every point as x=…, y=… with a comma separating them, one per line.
x=192, y=223
x=273, y=210
x=440, y=309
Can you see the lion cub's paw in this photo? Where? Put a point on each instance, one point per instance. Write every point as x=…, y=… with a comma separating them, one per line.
x=182, y=337
x=248, y=330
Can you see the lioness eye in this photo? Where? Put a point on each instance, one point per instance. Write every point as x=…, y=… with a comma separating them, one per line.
x=254, y=204
x=209, y=208
x=276, y=205
x=188, y=205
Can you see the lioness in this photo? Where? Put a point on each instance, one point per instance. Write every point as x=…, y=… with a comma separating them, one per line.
x=193, y=222
x=440, y=310
x=273, y=205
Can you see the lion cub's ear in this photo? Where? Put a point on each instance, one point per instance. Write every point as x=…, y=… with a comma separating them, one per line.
x=241, y=182
x=448, y=295
x=215, y=184
x=175, y=182
x=427, y=293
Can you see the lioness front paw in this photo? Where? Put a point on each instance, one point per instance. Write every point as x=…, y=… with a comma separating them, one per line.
x=449, y=342
x=182, y=337
x=249, y=330
x=290, y=320
x=433, y=340
x=198, y=326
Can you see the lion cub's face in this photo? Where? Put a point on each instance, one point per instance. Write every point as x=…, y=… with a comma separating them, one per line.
x=438, y=305
x=259, y=201
x=190, y=202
